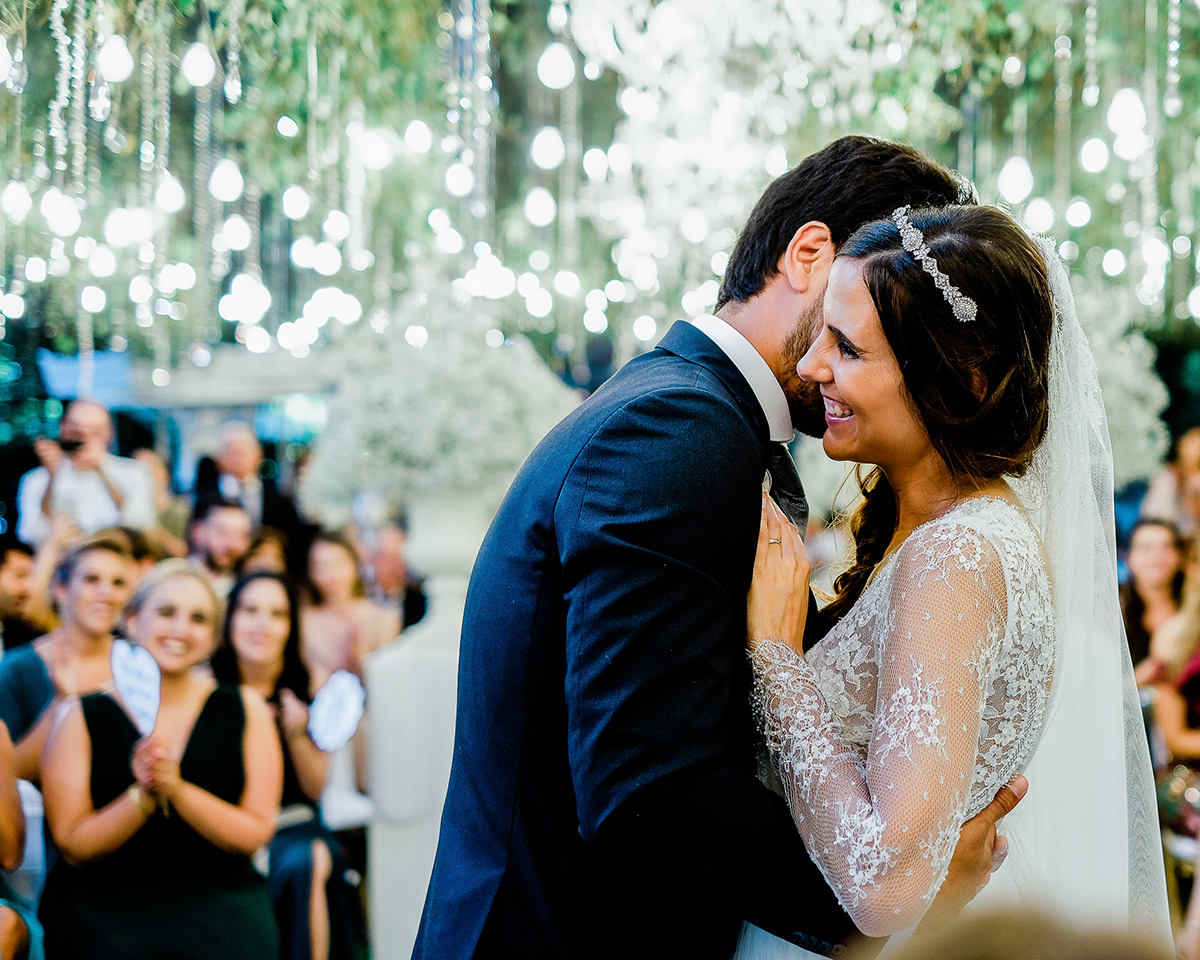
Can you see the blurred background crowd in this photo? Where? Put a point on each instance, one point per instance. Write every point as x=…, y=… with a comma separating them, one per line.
x=229, y=585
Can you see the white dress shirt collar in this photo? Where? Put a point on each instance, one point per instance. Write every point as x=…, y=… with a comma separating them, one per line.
x=754, y=368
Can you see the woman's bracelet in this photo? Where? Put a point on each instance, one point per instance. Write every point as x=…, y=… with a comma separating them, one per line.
x=140, y=800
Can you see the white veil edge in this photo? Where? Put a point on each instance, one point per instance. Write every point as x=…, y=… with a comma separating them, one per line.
x=1085, y=841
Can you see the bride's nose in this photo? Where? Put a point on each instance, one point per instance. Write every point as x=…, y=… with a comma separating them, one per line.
x=813, y=365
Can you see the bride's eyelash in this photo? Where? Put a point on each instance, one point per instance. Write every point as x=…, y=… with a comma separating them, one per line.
x=846, y=349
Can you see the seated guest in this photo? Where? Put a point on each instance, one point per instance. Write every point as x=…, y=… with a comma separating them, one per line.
x=81, y=480
x=340, y=625
x=20, y=934
x=16, y=587
x=1151, y=594
x=261, y=649
x=237, y=474
x=268, y=551
x=220, y=536
x=170, y=532
x=1175, y=640
x=91, y=587
x=156, y=833
x=1171, y=492
x=393, y=581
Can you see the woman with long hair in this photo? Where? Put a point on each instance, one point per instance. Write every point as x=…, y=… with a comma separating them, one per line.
x=90, y=586
x=340, y=626
x=260, y=648
x=977, y=633
x=1151, y=594
x=156, y=833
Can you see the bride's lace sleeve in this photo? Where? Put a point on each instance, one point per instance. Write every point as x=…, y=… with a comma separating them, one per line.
x=883, y=831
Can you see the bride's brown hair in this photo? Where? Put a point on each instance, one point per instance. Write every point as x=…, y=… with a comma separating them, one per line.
x=980, y=387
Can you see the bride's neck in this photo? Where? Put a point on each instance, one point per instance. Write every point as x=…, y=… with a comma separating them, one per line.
x=926, y=493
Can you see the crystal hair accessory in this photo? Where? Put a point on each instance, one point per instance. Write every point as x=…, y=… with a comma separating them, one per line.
x=914, y=242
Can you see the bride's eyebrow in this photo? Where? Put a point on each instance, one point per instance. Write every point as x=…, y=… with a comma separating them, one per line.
x=838, y=335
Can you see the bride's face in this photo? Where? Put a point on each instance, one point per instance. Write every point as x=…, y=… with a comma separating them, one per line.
x=868, y=417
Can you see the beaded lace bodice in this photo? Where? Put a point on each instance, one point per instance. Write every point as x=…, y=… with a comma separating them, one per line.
x=915, y=709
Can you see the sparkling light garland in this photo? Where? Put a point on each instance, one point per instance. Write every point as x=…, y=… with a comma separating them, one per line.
x=1091, y=74
x=62, y=86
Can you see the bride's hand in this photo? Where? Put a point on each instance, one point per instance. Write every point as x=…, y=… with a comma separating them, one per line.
x=777, y=605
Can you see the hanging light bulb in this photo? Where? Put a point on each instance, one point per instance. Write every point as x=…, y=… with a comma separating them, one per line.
x=114, y=61
x=15, y=201
x=1016, y=180
x=169, y=197
x=556, y=66
x=226, y=183
x=296, y=202
x=61, y=213
x=6, y=60
x=198, y=66
x=547, y=149
x=540, y=208
x=418, y=136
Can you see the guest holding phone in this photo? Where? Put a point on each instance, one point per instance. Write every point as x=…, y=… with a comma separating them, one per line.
x=82, y=480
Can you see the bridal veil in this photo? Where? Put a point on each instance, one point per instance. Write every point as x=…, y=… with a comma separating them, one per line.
x=1085, y=840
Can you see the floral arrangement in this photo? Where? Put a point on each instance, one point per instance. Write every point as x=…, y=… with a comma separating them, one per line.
x=1134, y=396
x=434, y=404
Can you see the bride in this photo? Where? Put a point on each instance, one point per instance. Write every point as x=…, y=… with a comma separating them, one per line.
x=978, y=632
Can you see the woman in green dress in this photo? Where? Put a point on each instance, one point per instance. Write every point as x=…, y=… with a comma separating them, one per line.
x=156, y=833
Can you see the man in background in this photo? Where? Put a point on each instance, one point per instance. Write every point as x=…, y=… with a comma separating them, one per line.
x=16, y=585
x=393, y=581
x=239, y=463
x=81, y=480
x=220, y=537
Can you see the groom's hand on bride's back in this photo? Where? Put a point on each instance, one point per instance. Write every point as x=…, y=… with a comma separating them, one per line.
x=979, y=853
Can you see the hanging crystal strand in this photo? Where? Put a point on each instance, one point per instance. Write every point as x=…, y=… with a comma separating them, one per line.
x=77, y=130
x=62, y=96
x=100, y=106
x=146, y=19
x=482, y=143
x=201, y=223
x=1184, y=247
x=1091, y=73
x=87, y=352
x=252, y=204
x=16, y=86
x=233, y=53
x=1063, y=154
x=1172, y=103
x=568, y=176
x=1150, y=290
x=331, y=157
x=310, y=132
x=356, y=185
x=162, y=126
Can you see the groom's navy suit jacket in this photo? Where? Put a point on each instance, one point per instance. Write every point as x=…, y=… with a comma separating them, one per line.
x=602, y=799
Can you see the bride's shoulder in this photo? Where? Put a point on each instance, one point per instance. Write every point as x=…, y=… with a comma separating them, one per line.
x=971, y=536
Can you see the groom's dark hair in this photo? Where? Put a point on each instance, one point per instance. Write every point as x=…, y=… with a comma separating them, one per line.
x=849, y=183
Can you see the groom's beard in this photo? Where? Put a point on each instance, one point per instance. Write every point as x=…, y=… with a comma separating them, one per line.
x=803, y=396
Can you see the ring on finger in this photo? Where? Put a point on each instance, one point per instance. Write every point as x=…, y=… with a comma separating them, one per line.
x=775, y=540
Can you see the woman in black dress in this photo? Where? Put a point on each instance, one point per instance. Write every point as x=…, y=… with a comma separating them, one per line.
x=261, y=649
x=156, y=833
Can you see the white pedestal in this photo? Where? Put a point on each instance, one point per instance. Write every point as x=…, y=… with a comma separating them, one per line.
x=411, y=696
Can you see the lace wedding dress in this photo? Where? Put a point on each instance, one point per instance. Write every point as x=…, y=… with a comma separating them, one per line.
x=915, y=709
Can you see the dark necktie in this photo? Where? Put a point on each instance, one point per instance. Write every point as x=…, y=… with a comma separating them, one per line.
x=786, y=489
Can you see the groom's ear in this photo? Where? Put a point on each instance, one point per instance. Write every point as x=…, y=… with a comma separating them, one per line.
x=808, y=257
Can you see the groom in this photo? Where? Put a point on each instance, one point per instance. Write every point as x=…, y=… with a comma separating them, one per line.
x=602, y=800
